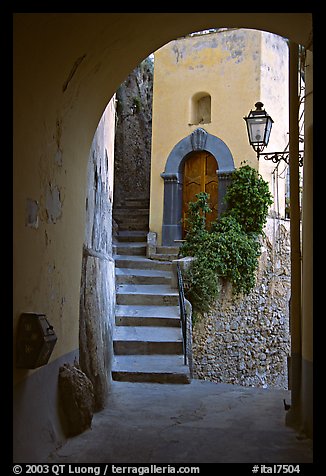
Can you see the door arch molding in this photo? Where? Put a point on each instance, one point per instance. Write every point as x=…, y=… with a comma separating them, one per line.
x=199, y=139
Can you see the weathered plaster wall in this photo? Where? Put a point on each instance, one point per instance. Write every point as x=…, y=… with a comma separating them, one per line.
x=38, y=422
x=274, y=78
x=97, y=299
x=237, y=68
x=246, y=340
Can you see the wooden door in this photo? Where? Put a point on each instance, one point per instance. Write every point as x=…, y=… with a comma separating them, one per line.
x=200, y=176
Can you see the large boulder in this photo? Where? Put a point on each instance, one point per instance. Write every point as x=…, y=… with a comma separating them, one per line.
x=77, y=399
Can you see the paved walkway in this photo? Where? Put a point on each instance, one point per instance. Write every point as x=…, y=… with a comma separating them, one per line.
x=202, y=422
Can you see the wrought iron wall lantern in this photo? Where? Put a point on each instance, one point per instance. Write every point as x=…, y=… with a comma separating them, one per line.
x=259, y=126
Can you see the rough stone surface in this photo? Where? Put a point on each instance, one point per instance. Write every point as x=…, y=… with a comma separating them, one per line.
x=77, y=399
x=151, y=244
x=133, y=135
x=97, y=294
x=246, y=340
x=96, y=307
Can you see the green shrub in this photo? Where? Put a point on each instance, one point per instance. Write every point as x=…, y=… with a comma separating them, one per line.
x=236, y=252
x=231, y=248
x=248, y=199
x=201, y=286
x=197, y=234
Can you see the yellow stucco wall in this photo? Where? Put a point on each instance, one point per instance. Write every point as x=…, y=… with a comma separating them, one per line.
x=237, y=68
x=44, y=281
x=50, y=282
x=55, y=180
x=274, y=80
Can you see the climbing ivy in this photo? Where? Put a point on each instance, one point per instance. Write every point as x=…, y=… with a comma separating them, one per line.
x=230, y=249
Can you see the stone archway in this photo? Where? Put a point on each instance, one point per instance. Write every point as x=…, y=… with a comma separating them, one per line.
x=199, y=139
x=59, y=99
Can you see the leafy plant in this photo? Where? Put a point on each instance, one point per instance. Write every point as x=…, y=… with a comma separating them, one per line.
x=201, y=287
x=231, y=248
x=248, y=199
x=196, y=230
x=237, y=253
x=136, y=103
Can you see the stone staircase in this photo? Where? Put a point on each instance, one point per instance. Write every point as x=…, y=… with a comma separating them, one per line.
x=147, y=341
x=132, y=215
x=166, y=253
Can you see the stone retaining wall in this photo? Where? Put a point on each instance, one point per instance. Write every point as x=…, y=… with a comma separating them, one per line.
x=246, y=340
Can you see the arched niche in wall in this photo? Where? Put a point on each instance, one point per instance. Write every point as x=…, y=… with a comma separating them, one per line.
x=200, y=108
x=173, y=179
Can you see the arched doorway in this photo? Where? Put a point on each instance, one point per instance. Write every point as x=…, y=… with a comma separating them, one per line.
x=200, y=175
x=198, y=141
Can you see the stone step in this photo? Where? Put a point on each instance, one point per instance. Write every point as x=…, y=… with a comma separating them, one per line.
x=131, y=236
x=143, y=340
x=140, y=262
x=166, y=253
x=142, y=276
x=169, y=250
x=163, y=257
x=127, y=212
x=137, y=222
x=147, y=337
x=136, y=225
x=142, y=294
x=135, y=203
x=161, y=316
x=131, y=216
x=130, y=248
x=150, y=368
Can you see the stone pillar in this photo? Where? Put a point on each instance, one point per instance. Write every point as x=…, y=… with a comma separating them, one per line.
x=151, y=244
x=307, y=256
x=293, y=417
x=184, y=265
x=97, y=302
x=172, y=226
x=97, y=288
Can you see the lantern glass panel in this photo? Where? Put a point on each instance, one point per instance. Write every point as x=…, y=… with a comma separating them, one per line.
x=256, y=129
x=268, y=129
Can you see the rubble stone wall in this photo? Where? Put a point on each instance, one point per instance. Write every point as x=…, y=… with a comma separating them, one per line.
x=132, y=147
x=246, y=340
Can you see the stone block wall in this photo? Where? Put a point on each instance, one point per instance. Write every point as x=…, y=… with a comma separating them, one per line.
x=246, y=340
x=97, y=294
